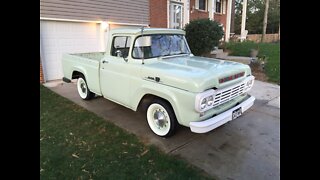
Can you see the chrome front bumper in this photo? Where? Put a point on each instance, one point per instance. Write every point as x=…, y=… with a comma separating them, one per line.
x=216, y=121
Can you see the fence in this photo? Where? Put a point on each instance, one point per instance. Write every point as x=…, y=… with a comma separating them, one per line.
x=257, y=37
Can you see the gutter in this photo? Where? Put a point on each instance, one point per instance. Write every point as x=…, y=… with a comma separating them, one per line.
x=77, y=20
x=69, y=20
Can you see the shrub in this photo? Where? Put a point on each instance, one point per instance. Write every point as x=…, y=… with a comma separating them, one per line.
x=259, y=63
x=203, y=35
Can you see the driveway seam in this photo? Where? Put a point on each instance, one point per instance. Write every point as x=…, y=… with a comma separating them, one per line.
x=267, y=101
x=254, y=110
x=274, y=98
x=182, y=145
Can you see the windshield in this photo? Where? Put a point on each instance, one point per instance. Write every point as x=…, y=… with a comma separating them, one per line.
x=151, y=46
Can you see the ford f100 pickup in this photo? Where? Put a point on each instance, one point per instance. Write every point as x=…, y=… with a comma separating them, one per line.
x=155, y=70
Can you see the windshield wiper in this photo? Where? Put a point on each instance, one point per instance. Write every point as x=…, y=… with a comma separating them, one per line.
x=180, y=53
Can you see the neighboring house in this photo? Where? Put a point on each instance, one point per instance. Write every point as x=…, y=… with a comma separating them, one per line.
x=73, y=26
x=177, y=13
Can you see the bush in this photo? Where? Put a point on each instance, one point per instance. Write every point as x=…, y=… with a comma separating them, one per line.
x=203, y=35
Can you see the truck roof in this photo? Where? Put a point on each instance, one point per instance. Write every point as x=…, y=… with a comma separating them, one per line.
x=137, y=31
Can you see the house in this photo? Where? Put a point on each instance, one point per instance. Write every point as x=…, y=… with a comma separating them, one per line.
x=177, y=13
x=74, y=26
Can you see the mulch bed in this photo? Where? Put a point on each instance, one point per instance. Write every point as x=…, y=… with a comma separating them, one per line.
x=258, y=73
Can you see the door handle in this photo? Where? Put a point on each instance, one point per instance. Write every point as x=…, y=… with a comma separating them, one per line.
x=104, y=61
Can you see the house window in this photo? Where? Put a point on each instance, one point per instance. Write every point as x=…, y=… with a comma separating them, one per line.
x=176, y=15
x=121, y=43
x=201, y=5
x=218, y=6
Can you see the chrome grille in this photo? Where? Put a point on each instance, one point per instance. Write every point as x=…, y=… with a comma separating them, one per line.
x=227, y=94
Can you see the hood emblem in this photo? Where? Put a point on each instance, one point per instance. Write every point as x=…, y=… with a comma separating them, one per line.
x=232, y=77
x=157, y=79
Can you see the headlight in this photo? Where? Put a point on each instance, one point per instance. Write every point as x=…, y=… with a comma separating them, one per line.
x=210, y=100
x=249, y=83
x=203, y=103
x=204, y=100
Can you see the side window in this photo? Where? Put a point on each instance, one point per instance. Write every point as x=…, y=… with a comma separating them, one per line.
x=218, y=6
x=201, y=5
x=121, y=43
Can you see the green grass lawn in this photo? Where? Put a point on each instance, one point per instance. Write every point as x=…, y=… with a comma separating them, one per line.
x=77, y=144
x=270, y=50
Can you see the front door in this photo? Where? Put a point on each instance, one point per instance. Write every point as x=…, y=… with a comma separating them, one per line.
x=176, y=15
x=114, y=70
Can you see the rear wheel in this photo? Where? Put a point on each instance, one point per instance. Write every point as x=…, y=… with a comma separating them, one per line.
x=161, y=118
x=83, y=89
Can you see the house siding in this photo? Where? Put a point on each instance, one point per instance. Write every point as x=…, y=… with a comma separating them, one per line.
x=195, y=13
x=158, y=13
x=122, y=11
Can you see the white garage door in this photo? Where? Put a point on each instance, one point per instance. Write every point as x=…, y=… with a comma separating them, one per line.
x=57, y=37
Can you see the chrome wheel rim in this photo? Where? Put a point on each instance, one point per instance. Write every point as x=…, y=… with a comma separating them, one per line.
x=158, y=119
x=82, y=88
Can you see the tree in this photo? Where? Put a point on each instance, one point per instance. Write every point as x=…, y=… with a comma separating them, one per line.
x=265, y=20
x=255, y=14
x=203, y=35
x=273, y=16
x=232, y=16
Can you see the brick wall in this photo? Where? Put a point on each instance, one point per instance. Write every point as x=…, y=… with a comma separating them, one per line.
x=195, y=13
x=221, y=18
x=41, y=74
x=158, y=13
x=198, y=14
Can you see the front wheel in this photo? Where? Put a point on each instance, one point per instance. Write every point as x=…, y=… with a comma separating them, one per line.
x=83, y=89
x=161, y=118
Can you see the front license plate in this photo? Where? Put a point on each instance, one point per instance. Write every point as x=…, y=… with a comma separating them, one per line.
x=236, y=113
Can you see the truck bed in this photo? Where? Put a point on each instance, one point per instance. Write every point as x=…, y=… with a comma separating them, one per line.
x=85, y=63
x=92, y=55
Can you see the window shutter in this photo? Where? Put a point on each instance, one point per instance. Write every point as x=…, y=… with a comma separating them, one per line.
x=224, y=6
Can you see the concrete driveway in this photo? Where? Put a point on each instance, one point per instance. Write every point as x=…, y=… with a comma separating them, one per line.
x=246, y=148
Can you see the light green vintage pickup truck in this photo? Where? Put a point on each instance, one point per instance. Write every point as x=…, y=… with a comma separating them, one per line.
x=154, y=69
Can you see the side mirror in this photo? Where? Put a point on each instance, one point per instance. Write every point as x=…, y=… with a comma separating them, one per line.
x=119, y=53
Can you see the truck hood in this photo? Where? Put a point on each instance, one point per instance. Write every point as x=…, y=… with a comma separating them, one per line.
x=193, y=73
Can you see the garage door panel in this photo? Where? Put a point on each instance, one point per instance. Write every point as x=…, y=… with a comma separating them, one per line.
x=53, y=67
x=50, y=46
x=58, y=37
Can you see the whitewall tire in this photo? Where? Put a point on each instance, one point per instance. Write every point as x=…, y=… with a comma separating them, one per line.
x=161, y=118
x=83, y=89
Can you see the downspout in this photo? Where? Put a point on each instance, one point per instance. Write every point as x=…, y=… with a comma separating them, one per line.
x=168, y=13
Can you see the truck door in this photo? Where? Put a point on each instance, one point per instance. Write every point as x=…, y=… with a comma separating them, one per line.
x=114, y=71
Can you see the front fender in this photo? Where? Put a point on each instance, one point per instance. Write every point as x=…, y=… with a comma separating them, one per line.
x=153, y=90
x=180, y=100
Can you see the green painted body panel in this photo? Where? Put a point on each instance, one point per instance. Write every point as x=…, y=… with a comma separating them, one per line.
x=194, y=74
x=182, y=77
